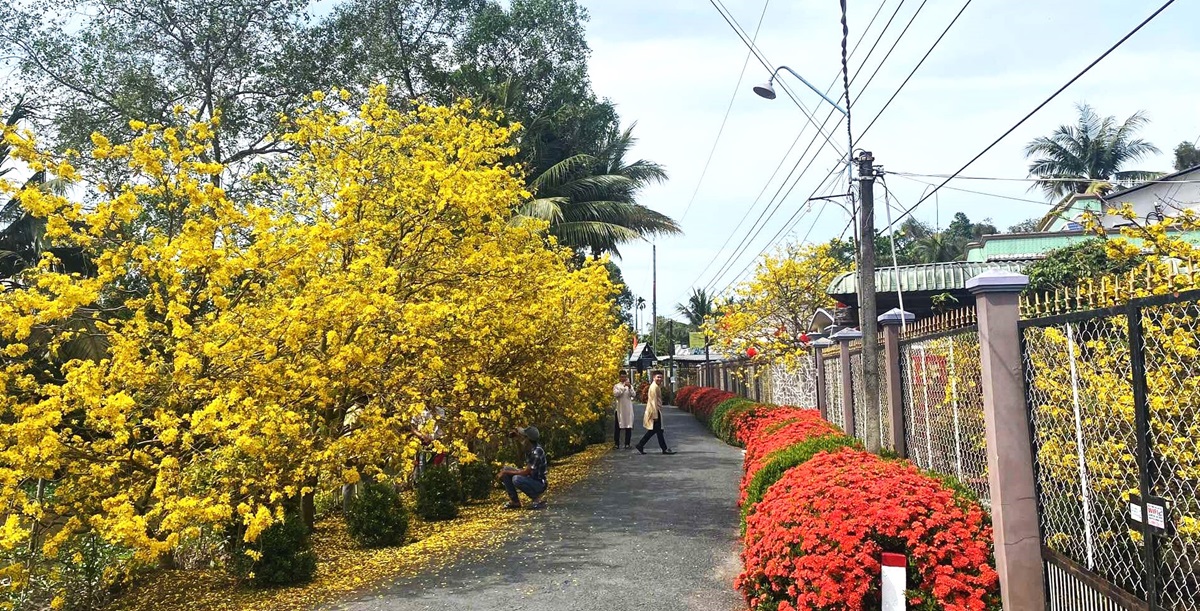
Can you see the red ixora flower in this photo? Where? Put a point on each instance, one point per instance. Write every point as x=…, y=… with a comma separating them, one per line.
x=816, y=538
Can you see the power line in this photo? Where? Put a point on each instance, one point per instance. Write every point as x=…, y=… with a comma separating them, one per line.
x=756, y=228
x=915, y=68
x=1034, y=179
x=728, y=110
x=892, y=48
x=1038, y=108
x=996, y=195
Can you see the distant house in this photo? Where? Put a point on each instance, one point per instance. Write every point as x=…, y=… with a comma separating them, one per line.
x=1156, y=200
x=1152, y=201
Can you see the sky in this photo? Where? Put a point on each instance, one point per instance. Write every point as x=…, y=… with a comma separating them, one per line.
x=672, y=66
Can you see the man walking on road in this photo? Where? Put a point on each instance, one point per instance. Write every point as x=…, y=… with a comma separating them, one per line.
x=652, y=420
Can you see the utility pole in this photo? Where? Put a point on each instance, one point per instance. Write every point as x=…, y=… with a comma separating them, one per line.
x=653, y=295
x=868, y=323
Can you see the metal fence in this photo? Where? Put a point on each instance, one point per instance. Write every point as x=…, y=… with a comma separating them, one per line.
x=1114, y=399
x=943, y=407
x=861, y=410
x=792, y=385
x=833, y=389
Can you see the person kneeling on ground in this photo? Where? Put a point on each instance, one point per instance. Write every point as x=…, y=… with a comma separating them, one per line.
x=532, y=479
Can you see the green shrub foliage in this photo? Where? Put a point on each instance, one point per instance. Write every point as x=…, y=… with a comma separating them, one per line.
x=780, y=461
x=438, y=494
x=725, y=414
x=476, y=480
x=376, y=517
x=287, y=555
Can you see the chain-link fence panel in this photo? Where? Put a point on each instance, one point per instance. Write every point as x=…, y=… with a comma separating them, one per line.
x=1171, y=340
x=1080, y=395
x=859, y=397
x=833, y=390
x=943, y=408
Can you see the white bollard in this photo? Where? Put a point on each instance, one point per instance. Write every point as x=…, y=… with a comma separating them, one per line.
x=895, y=577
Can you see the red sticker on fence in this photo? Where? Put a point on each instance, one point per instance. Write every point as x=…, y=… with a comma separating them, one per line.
x=890, y=559
x=1156, y=515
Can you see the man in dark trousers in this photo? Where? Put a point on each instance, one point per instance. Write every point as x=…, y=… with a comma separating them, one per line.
x=652, y=419
x=532, y=479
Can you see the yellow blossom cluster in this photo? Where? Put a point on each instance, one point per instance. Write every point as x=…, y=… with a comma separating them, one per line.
x=1086, y=413
x=767, y=315
x=377, y=293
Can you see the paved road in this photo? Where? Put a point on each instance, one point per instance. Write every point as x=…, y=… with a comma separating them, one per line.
x=642, y=532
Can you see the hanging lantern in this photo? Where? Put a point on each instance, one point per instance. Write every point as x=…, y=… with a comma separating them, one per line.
x=751, y=352
x=804, y=338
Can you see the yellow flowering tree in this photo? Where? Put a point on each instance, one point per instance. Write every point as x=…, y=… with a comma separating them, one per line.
x=256, y=351
x=769, y=312
x=1093, y=403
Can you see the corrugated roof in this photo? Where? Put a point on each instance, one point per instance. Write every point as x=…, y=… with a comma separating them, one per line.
x=931, y=277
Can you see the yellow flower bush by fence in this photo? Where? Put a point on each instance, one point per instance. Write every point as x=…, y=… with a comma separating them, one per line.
x=375, y=287
x=770, y=311
x=1081, y=391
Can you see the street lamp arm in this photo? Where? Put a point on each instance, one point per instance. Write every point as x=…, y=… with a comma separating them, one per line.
x=810, y=86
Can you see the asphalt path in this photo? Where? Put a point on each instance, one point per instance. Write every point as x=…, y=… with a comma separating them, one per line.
x=641, y=532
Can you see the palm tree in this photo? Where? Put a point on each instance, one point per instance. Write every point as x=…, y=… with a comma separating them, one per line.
x=699, y=307
x=1095, y=149
x=938, y=248
x=591, y=202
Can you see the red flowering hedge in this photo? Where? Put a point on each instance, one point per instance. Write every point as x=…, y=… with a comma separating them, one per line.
x=684, y=396
x=705, y=400
x=816, y=538
x=643, y=389
x=800, y=426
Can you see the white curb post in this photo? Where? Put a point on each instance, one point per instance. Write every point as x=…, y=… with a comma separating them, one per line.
x=895, y=577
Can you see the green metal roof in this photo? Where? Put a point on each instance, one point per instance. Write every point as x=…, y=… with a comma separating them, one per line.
x=1022, y=246
x=932, y=277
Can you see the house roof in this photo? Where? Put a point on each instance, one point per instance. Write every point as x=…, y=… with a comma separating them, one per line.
x=1116, y=195
x=1021, y=246
x=1064, y=210
x=930, y=277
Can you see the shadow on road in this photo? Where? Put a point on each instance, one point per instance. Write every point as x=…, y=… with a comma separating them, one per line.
x=641, y=532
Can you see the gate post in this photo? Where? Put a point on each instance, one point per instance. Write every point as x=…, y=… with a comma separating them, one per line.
x=1018, y=542
x=891, y=321
x=818, y=348
x=843, y=338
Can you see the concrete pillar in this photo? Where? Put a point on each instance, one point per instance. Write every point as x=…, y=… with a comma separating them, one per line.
x=843, y=338
x=1009, y=450
x=893, y=400
x=818, y=348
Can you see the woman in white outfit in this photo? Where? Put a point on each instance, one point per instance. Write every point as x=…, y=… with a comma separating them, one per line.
x=622, y=411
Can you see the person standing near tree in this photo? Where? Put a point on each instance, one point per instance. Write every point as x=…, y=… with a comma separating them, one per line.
x=623, y=411
x=652, y=419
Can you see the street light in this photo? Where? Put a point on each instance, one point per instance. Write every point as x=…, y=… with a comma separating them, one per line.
x=866, y=241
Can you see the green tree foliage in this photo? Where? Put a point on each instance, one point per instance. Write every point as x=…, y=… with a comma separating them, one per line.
x=100, y=64
x=438, y=492
x=1186, y=156
x=699, y=307
x=1065, y=267
x=623, y=300
x=670, y=333
x=590, y=199
x=1094, y=149
x=917, y=242
x=1025, y=226
x=286, y=556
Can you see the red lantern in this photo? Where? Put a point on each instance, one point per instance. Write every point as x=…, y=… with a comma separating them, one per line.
x=751, y=352
x=804, y=337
